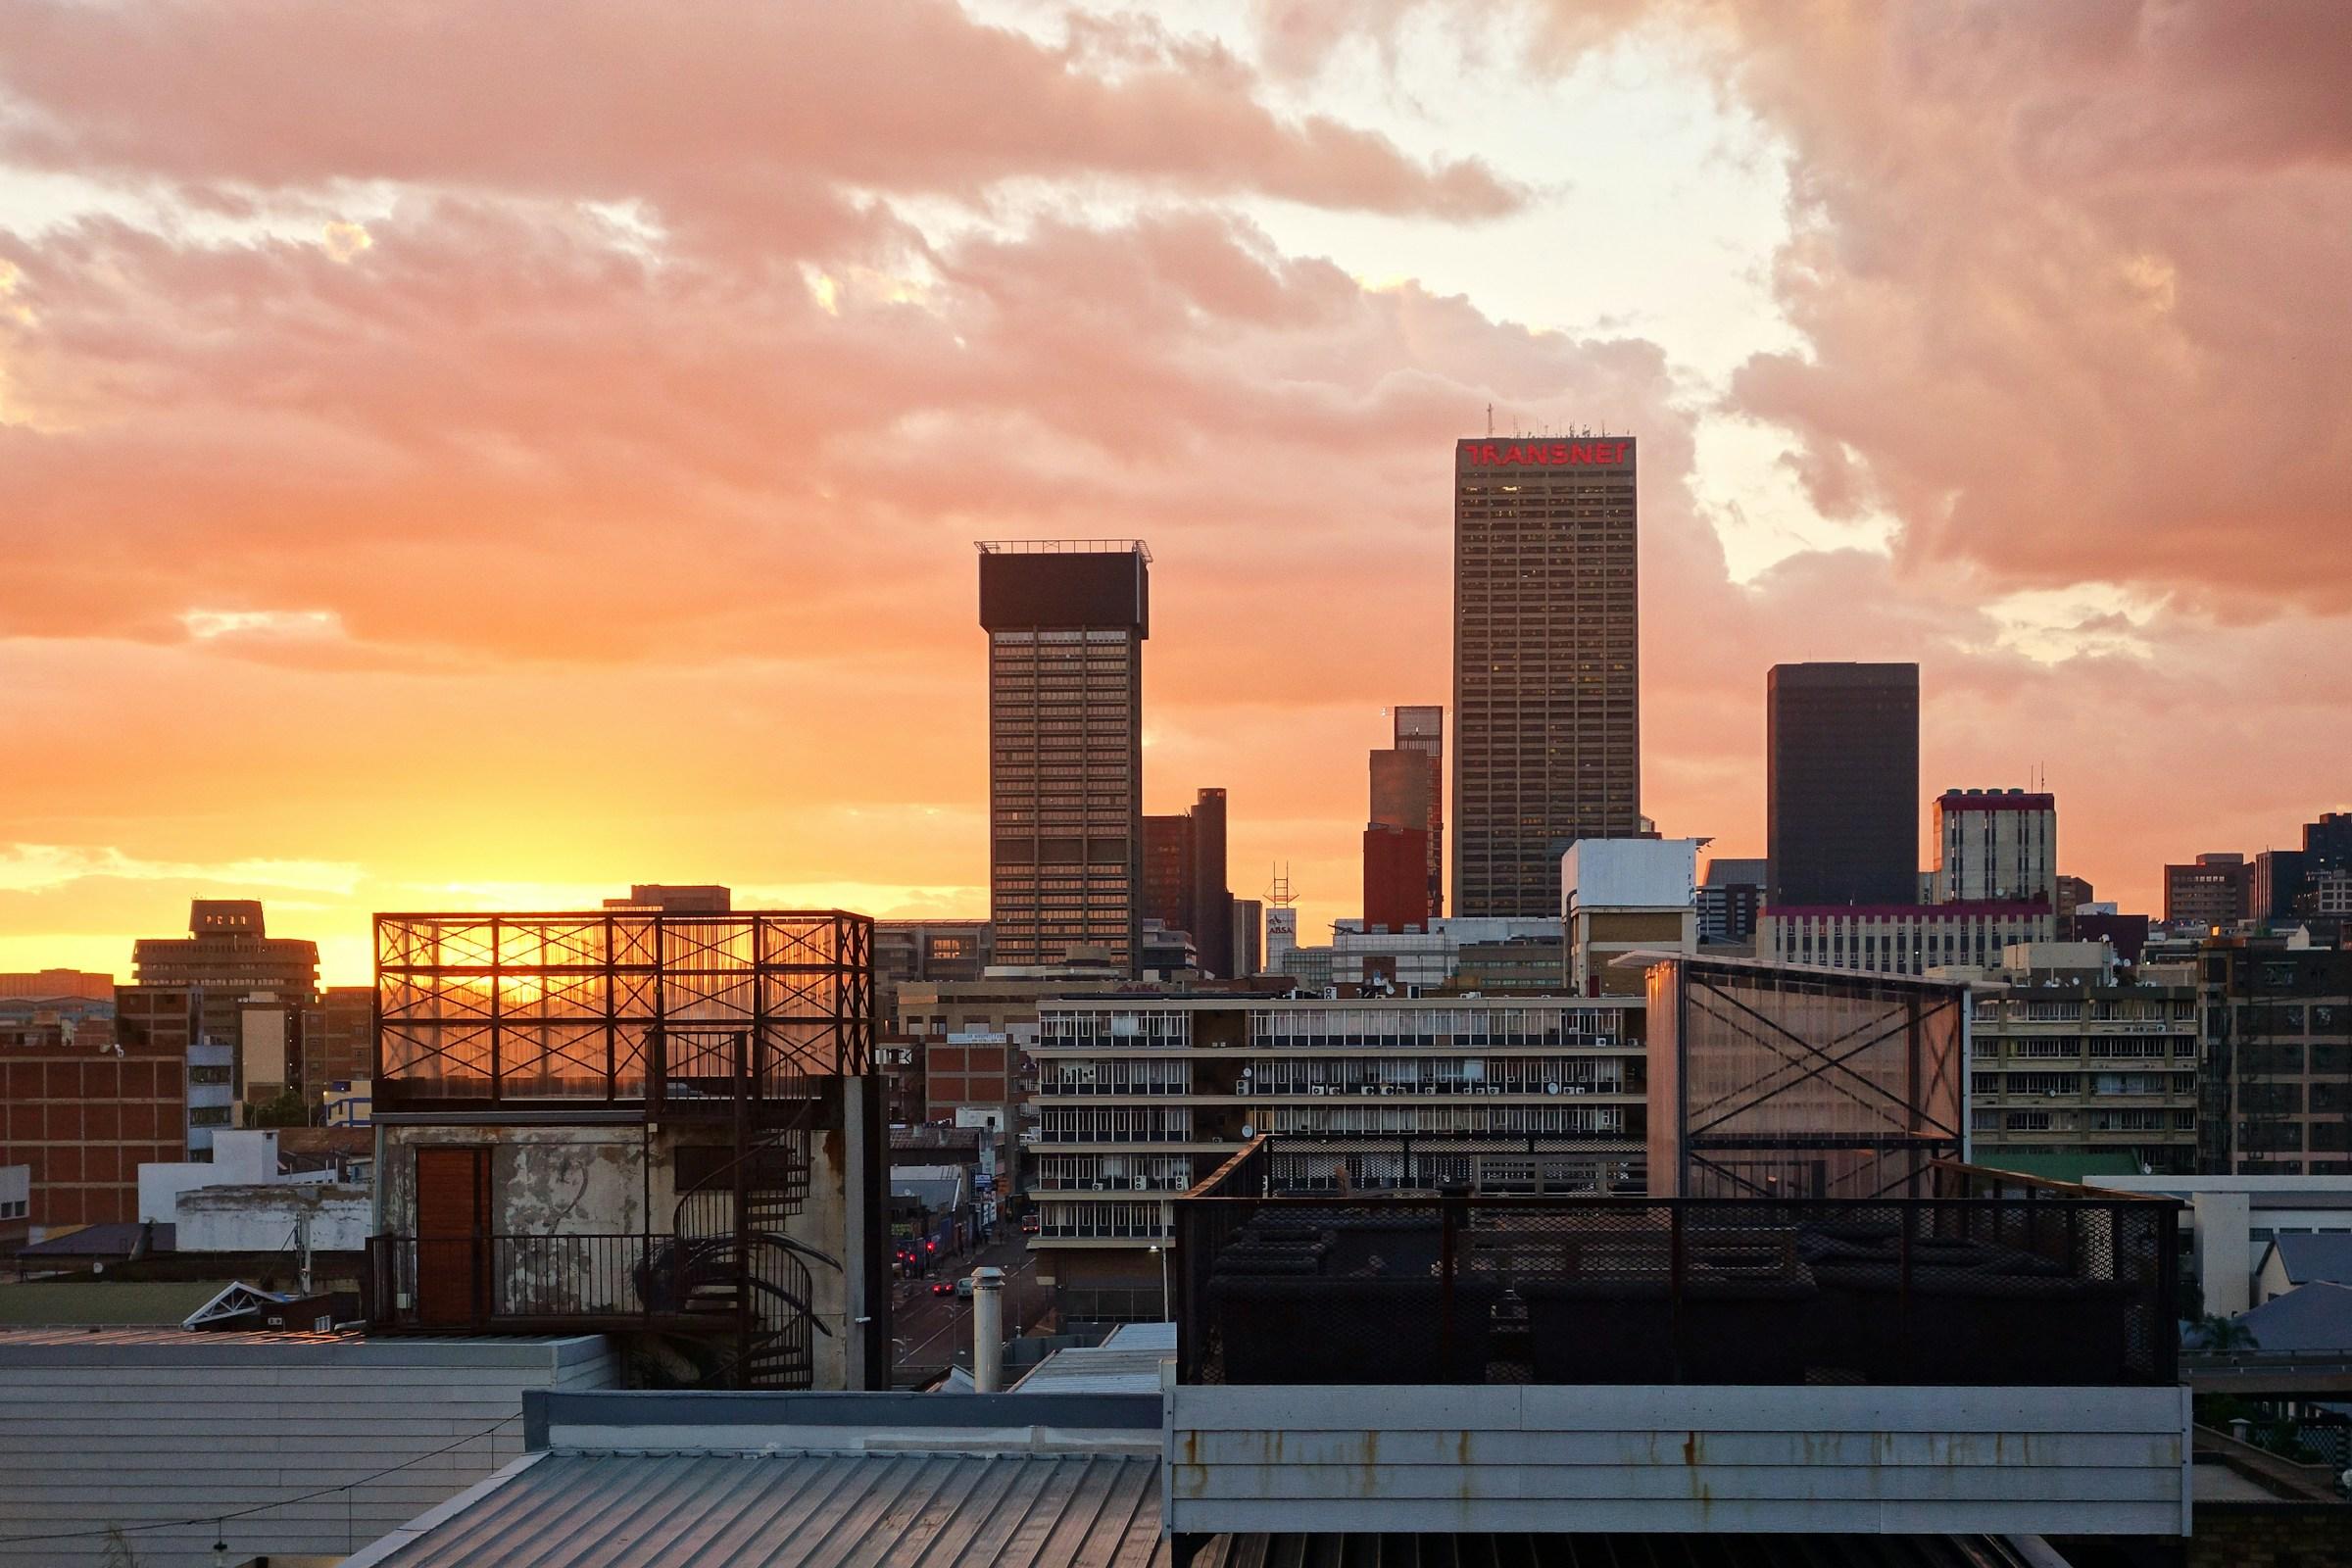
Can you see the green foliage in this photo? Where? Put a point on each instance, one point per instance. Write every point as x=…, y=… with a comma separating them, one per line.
x=285, y=1108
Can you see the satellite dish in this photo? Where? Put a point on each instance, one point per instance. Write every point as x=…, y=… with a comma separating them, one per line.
x=1244, y=1072
x=1552, y=1089
x=1248, y=1131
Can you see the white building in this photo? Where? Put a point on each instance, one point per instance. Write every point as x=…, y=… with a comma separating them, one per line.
x=1996, y=846
x=1619, y=896
x=1901, y=939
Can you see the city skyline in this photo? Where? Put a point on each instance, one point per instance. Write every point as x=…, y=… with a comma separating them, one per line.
x=397, y=525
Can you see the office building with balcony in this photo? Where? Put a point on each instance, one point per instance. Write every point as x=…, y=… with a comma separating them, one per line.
x=1139, y=1098
x=2067, y=1062
x=661, y=1126
x=1067, y=621
x=1547, y=663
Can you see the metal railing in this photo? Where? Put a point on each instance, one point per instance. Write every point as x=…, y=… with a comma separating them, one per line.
x=2035, y=1288
x=483, y=1282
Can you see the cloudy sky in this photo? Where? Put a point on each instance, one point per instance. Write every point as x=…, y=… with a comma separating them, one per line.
x=469, y=454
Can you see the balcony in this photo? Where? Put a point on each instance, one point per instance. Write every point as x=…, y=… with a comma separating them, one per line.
x=570, y=1283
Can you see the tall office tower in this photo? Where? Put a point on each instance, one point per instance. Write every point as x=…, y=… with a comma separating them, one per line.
x=1067, y=621
x=1841, y=785
x=1547, y=694
x=2275, y=888
x=1213, y=898
x=1184, y=880
x=1996, y=845
x=1423, y=730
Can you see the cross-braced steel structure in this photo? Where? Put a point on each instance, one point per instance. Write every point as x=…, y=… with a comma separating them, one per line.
x=1779, y=1081
x=620, y=1007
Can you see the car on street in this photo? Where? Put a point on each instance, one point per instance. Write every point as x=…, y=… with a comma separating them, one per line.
x=963, y=1288
x=943, y=1288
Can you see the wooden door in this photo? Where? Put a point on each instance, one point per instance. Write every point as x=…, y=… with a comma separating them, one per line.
x=452, y=1235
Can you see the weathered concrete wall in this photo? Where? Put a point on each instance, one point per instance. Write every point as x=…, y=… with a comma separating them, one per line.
x=267, y=1218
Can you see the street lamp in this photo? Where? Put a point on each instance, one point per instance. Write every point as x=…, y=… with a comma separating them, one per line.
x=1162, y=1254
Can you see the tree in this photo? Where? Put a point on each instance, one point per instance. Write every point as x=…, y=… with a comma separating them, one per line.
x=285, y=1108
x=2213, y=1332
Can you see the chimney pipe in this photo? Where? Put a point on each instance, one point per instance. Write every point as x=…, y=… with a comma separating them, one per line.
x=988, y=1330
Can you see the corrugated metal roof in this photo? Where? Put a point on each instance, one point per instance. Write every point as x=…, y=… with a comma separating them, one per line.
x=1619, y=1551
x=798, y=1511
x=1095, y=1369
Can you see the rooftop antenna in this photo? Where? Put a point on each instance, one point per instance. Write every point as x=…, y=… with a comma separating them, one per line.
x=1280, y=895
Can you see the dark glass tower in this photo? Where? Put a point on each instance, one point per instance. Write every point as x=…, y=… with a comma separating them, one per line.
x=1841, y=786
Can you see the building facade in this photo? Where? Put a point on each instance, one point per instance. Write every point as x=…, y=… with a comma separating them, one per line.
x=1729, y=897
x=1395, y=878
x=1138, y=1099
x=1546, y=673
x=2275, y=1070
x=1621, y=895
x=1901, y=938
x=1066, y=622
x=45, y=984
x=1841, y=784
x=1422, y=730
x=2212, y=889
x=1184, y=880
x=1248, y=937
x=85, y=1104
x=2065, y=1059
x=1996, y=846
x=229, y=958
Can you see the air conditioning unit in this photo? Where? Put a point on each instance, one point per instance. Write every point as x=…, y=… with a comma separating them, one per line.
x=1143, y=1183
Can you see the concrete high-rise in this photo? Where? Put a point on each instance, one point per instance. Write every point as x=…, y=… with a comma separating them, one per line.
x=1841, y=785
x=1999, y=844
x=1547, y=696
x=1067, y=621
x=1422, y=730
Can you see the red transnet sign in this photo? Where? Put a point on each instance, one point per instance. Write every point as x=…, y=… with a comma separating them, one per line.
x=1543, y=453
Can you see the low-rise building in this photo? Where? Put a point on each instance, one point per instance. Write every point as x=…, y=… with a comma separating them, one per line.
x=2065, y=1058
x=84, y=1102
x=1901, y=938
x=1619, y=896
x=1139, y=1096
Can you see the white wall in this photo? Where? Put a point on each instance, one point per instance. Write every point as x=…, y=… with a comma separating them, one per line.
x=266, y=1219
x=240, y=1158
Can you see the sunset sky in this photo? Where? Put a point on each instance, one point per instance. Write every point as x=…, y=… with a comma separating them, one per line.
x=459, y=456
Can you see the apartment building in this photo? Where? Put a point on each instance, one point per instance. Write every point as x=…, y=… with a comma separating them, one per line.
x=1139, y=1098
x=2065, y=1059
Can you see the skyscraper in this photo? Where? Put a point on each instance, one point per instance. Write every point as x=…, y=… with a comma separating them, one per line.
x=1841, y=784
x=1546, y=696
x=1184, y=880
x=1422, y=729
x=229, y=958
x=1067, y=621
